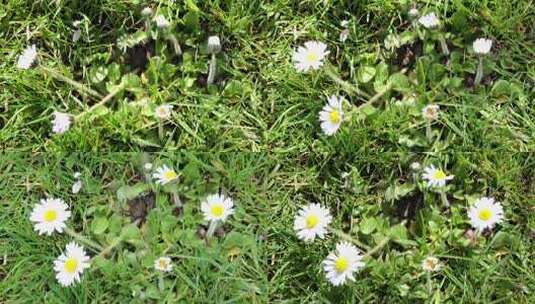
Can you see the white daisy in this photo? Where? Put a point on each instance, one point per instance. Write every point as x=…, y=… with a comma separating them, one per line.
x=485, y=213
x=311, y=222
x=61, y=123
x=431, y=264
x=27, y=58
x=217, y=207
x=49, y=215
x=429, y=21
x=71, y=264
x=332, y=115
x=310, y=56
x=161, y=22
x=163, y=264
x=482, y=46
x=342, y=263
x=431, y=112
x=435, y=177
x=214, y=44
x=164, y=175
x=163, y=111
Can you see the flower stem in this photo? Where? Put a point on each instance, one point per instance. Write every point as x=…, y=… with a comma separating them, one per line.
x=211, y=230
x=377, y=247
x=176, y=45
x=102, y=102
x=212, y=69
x=444, y=198
x=344, y=84
x=348, y=238
x=83, y=239
x=161, y=282
x=176, y=199
x=444, y=45
x=428, y=131
x=429, y=286
x=479, y=73
x=80, y=87
x=160, y=130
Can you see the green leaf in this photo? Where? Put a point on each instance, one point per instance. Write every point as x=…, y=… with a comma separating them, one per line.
x=126, y=192
x=399, y=82
x=99, y=225
x=501, y=88
x=365, y=74
x=368, y=225
x=397, y=191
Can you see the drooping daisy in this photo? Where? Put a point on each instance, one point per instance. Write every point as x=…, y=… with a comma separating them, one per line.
x=482, y=46
x=164, y=175
x=27, y=58
x=161, y=22
x=485, y=213
x=429, y=21
x=431, y=112
x=163, y=111
x=163, y=264
x=49, y=215
x=217, y=207
x=61, y=123
x=214, y=44
x=311, y=222
x=431, y=264
x=435, y=177
x=71, y=264
x=332, y=115
x=342, y=263
x=310, y=56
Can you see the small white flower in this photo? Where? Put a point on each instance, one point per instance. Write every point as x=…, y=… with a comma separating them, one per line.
x=429, y=21
x=49, y=215
x=77, y=23
x=332, y=115
x=415, y=166
x=482, y=46
x=344, y=23
x=214, y=44
x=485, y=213
x=148, y=166
x=435, y=177
x=76, y=35
x=164, y=175
x=311, y=222
x=342, y=263
x=146, y=12
x=413, y=12
x=217, y=207
x=77, y=175
x=344, y=34
x=61, y=123
x=431, y=264
x=71, y=264
x=76, y=186
x=163, y=264
x=431, y=112
x=27, y=58
x=163, y=111
x=310, y=56
x=161, y=22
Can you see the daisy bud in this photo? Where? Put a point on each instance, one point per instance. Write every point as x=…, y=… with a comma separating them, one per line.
x=148, y=166
x=147, y=12
x=161, y=22
x=61, y=123
x=431, y=112
x=214, y=45
x=413, y=12
x=415, y=166
x=163, y=264
x=482, y=46
x=431, y=264
x=429, y=21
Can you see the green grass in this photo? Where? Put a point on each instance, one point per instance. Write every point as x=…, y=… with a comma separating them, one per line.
x=255, y=135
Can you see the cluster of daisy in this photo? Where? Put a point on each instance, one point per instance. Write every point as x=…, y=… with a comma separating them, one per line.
x=312, y=56
x=312, y=221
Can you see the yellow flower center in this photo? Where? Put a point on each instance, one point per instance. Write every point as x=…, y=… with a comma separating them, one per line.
x=311, y=221
x=485, y=214
x=162, y=263
x=312, y=57
x=439, y=174
x=170, y=175
x=335, y=117
x=50, y=216
x=71, y=265
x=217, y=210
x=341, y=264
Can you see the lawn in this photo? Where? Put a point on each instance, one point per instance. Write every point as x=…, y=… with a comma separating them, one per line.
x=400, y=129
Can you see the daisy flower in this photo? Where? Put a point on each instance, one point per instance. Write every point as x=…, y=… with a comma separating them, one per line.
x=342, y=263
x=163, y=264
x=310, y=56
x=27, y=58
x=164, y=175
x=429, y=21
x=431, y=112
x=71, y=264
x=161, y=22
x=431, y=264
x=332, y=115
x=163, y=111
x=435, y=177
x=482, y=46
x=311, y=222
x=49, y=215
x=61, y=123
x=147, y=166
x=217, y=207
x=485, y=213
